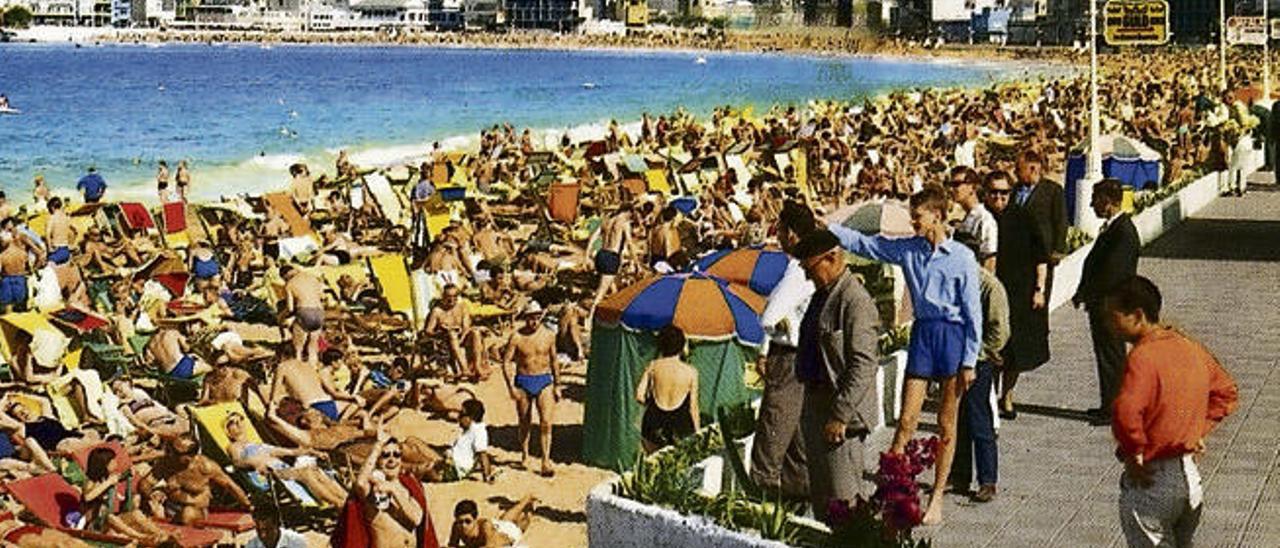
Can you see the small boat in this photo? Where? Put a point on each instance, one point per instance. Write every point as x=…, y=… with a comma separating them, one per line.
x=700, y=60
x=10, y=111
x=588, y=85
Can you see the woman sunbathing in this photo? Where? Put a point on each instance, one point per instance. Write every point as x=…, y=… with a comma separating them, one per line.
x=102, y=484
x=148, y=414
x=42, y=433
x=264, y=458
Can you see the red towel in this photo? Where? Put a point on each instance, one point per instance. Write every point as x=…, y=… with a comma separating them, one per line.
x=82, y=320
x=136, y=216
x=353, y=532
x=175, y=217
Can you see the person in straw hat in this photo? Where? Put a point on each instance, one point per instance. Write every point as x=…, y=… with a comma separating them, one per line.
x=536, y=381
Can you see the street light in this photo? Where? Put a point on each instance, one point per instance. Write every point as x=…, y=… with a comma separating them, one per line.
x=1085, y=219
x=1222, y=45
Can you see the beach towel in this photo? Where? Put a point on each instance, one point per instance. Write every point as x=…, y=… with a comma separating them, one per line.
x=48, y=294
x=298, y=246
x=136, y=216
x=353, y=532
x=423, y=293
x=283, y=204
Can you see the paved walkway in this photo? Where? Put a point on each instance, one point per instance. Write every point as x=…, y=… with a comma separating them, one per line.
x=1220, y=276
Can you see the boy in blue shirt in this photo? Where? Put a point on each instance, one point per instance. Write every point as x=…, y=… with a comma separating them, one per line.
x=946, y=336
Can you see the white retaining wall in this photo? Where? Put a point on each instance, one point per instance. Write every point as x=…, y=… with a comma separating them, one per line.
x=616, y=522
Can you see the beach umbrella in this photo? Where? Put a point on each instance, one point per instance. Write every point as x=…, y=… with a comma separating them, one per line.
x=756, y=267
x=703, y=306
x=890, y=218
x=685, y=204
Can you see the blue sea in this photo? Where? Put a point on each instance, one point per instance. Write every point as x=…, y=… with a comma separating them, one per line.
x=240, y=114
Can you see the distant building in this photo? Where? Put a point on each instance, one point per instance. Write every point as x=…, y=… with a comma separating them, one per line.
x=390, y=13
x=561, y=15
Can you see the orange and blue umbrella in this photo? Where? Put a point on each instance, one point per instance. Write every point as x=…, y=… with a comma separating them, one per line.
x=756, y=267
x=702, y=306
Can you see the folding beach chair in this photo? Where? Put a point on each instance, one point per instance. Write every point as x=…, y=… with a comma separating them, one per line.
x=174, y=218
x=387, y=200
x=208, y=422
x=283, y=204
x=392, y=278
x=50, y=498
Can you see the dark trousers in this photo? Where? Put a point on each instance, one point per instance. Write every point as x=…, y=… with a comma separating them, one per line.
x=976, y=433
x=835, y=471
x=777, y=455
x=1110, y=355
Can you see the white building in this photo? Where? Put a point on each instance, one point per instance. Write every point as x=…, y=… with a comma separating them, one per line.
x=958, y=10
x=390, y=13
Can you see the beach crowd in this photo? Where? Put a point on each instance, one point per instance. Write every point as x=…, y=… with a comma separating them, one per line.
x=190, y=373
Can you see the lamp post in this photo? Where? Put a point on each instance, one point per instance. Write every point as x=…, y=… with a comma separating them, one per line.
x=1085, y=219
x=1266, y=55
x=1222, y=45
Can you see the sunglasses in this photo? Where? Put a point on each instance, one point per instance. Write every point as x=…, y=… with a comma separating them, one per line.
x=390, y=454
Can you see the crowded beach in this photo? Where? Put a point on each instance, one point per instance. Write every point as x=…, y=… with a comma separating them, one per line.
x=399, y=355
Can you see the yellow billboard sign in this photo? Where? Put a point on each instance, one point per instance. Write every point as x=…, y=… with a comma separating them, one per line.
x=1136, y=22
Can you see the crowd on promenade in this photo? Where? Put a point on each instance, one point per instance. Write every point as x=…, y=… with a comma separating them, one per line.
x=193, y=370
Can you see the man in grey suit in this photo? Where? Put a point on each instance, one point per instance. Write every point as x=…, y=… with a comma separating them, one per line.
x=836, y=361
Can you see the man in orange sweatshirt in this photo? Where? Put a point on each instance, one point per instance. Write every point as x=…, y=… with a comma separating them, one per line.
x=1174, y=392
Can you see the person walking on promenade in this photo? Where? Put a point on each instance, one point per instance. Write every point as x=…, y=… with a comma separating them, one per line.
x=946, y=337
x=778, y=454
x=978, y=222
x=1033, y=232
x=1173, y=394
x=836, y=361
x=1111, y=262
x=976, y=432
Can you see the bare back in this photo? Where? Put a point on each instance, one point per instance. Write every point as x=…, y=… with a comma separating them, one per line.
x=670, y=382
x=306, y=291
x=301, y=382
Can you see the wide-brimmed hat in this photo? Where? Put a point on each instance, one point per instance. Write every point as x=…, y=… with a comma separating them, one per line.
x=531, y=309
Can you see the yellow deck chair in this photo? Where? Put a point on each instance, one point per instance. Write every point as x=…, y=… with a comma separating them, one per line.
x=478, y=310
x=331, y=273
x=438, y=215
x=20, y=322
x=209, y=421
x=394, y=284
x=657, y=181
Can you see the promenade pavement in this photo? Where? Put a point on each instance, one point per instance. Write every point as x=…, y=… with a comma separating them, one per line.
x=1220, y=276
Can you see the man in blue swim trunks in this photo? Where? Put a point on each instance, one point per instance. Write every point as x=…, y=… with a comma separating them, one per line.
x=615, y=242
x=13, y=266
x=946, y=337
x=302, y=381
x=60, y=235
x=536, y=380
x=169, y=352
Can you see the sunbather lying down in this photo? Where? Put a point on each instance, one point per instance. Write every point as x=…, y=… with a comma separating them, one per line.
x=146, y=413
x=14, y=532
x=311, y=429
x=436, y=397
x=265, y=458
x=100, y=490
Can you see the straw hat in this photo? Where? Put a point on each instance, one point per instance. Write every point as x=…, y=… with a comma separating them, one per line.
x=531, y=309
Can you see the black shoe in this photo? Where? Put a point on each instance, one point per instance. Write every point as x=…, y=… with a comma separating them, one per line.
x=1009, y=415
x=1100, y=420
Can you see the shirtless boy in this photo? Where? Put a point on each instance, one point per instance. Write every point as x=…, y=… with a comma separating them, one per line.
x=536, y=381
x=304, y=293
x=169, y=352
x=13, y=264
x=59, y=234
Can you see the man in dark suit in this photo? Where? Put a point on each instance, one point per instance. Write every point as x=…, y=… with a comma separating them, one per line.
x=1112, y=261
x=836, y=360
x=1032, y=238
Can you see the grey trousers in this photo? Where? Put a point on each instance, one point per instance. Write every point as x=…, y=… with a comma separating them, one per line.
x=835, y=471
x=777, y=455
x=1160, y=515
x=1109, y=352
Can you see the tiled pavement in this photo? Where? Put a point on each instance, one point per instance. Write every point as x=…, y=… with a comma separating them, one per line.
x=1220, y=276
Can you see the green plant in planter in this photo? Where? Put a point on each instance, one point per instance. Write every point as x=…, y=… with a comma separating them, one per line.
x=1077, y=239
x=894, y=340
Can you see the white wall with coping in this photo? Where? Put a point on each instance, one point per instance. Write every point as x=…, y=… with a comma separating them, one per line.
x=617, y=522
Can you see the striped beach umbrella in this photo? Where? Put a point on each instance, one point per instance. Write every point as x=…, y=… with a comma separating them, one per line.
x=704, y=307
x=889, y=218
x=756, y=267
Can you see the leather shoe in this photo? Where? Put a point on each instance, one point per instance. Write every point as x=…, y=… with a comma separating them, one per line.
x=1009, y=415
x=986, y=493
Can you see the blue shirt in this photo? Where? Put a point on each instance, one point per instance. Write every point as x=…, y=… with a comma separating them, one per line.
x=93, y=186
x=944, y=283
x=809, y=368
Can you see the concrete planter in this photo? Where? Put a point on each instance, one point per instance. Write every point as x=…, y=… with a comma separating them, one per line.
x=616, y=522
x=889, y=377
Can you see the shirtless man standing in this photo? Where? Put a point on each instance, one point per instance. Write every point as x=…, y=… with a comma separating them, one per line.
x=169, y=352
x=304, y=293
x=59, y=234
x=615, y=236
x=392, y=504
x=13, y=265
x=533, y=349
x=303, y=382
x=302, y=187
x=162, y=181
x=184, y=478
x=450, y=321
x=183, y=179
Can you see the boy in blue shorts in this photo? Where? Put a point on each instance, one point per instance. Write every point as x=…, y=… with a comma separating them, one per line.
x=946, y=336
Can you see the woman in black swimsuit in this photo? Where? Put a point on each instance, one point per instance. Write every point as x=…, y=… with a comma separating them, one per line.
x=668, y=389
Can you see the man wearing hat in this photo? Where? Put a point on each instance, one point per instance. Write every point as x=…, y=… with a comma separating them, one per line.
x=836, y=361
x=536, y=381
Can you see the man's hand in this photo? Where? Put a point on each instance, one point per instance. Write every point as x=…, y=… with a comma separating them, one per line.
x=1136, y=468
x=834, y=432
x=1037, y=300
x=967, y=375
x=1199, y=452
